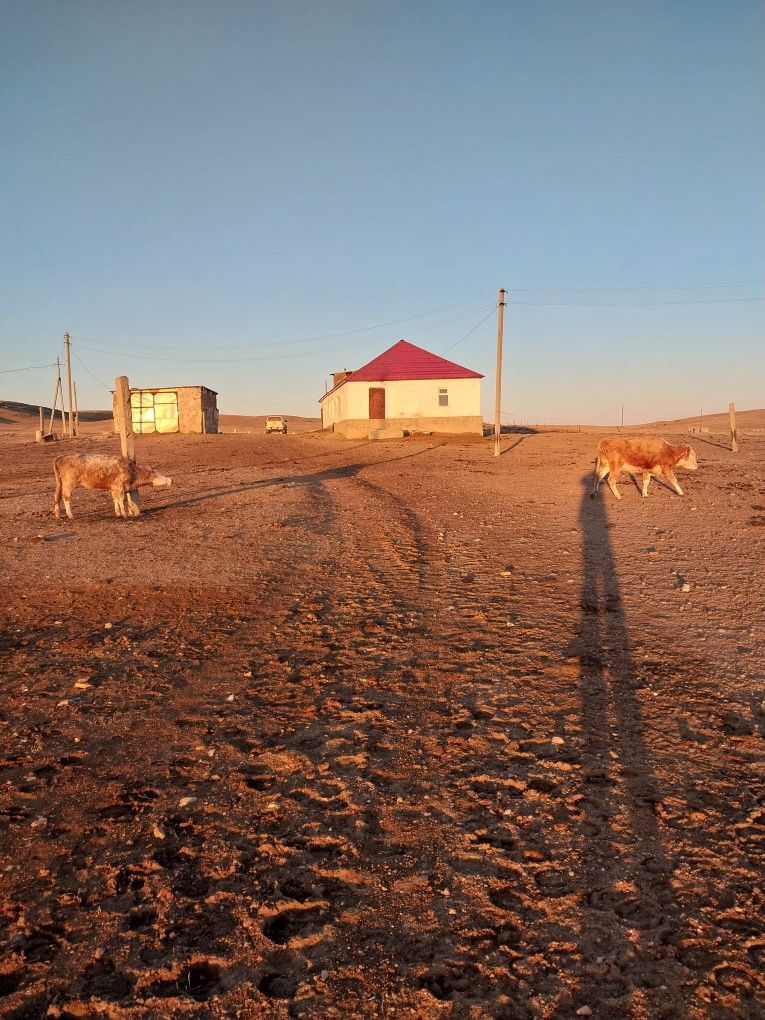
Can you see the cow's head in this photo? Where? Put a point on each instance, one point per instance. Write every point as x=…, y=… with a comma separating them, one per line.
x=688, y=460
x=148, y=476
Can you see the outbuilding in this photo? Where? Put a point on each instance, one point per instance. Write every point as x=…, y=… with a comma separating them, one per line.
x=168, y=409
x=406, y=388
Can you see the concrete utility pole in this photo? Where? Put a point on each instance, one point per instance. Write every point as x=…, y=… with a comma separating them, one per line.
x=498, y=391
x=69, y=386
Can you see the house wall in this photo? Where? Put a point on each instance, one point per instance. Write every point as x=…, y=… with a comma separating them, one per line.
x=410, y=404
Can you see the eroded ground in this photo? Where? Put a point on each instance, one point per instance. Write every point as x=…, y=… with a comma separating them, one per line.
x=391, y=730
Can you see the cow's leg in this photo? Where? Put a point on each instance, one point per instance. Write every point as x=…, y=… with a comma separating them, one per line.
x=601, y=470
x=669, y=474
x=66, y=492
x=57, y=499
x=134, y=506
x=646, y=480
x=613, y=477
x=118, y=496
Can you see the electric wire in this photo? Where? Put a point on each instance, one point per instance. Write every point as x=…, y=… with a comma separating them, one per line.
x=92, y=374
x=265, y=357
x=27, y=368
x=488, y=314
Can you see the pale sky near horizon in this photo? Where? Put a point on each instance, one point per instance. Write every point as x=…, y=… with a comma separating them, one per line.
x=251, y=195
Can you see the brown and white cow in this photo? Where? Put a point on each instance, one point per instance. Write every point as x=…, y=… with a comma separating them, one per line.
x=643, y=455
x=120, y=476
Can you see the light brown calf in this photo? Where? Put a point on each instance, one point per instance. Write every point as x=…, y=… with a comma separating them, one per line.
x=643, y=455
x=120, y=476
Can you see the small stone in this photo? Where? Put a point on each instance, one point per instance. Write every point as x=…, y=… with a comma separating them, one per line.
x=230, y=697
x=686, y=587
x=185, y=801
x=62, y=704
x=584, y=1011
x=159, y=832
x=39, y=822
x=557, y=741
x=82, y=685
x=108, y=626
x=505, y=573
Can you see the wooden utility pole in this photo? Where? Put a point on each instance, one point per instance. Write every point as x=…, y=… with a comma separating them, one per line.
x=60, y=390
x=498, y=390
x=733, y=433
x=72, y=433
x=76, y=412
x=123, y=416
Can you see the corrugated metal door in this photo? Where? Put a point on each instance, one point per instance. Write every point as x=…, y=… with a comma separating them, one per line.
x=166, y=412
x=154, y=412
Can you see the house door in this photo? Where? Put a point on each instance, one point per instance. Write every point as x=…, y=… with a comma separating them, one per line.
x=377, y=403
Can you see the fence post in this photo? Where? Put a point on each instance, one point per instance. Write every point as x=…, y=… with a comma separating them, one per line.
x=123, y=416
x=733, y=433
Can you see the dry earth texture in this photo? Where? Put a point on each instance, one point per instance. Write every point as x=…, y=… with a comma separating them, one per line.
x=395, y=730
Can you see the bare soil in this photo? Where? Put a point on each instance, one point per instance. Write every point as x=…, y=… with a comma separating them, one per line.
x=398, y=729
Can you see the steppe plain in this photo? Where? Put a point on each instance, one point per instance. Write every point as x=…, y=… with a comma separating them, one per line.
x=396, y=729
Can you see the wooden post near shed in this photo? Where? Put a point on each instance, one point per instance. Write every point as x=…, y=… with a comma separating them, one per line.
x=498, y=381
x=76, y=412
x=123, y=416
x=733, y=433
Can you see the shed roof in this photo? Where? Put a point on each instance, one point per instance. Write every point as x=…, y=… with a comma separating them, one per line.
x=407, y=361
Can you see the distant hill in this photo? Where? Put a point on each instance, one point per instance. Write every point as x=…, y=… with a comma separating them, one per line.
x=33, y=411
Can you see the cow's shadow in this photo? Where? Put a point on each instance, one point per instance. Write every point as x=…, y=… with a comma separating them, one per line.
x=317, y=478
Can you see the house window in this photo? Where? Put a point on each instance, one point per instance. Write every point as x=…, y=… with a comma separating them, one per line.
x=443, y=397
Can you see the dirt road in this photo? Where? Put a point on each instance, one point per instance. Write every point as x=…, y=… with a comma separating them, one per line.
x=383, y=730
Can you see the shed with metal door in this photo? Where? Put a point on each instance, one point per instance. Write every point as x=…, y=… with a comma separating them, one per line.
x=172, y=409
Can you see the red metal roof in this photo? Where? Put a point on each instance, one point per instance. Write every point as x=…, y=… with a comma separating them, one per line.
x=407, y=361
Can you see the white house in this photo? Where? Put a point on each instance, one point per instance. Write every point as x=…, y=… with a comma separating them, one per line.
x=405, y=388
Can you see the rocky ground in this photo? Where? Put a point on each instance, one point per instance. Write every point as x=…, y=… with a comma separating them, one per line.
x=390, y=730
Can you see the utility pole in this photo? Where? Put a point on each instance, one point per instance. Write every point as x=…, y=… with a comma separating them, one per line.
x=498, y=391
x=59, y=389
x=69, y=386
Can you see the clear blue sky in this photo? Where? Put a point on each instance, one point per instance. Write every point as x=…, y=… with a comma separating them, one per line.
x=216, y=184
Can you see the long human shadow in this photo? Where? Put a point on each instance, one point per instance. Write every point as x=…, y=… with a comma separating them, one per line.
x=346, y=471
x=629, y=908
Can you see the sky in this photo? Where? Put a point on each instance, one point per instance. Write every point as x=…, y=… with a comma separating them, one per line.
x=251, y=195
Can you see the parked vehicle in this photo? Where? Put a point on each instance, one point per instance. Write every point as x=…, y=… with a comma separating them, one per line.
x=275, y=423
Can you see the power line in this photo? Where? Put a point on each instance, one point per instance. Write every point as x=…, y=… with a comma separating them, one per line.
x=628, y=304
x=265, y=357
x=27, y=368
x=490, y=312
x=314, y=339
x=92, y=374
x=661, y=286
